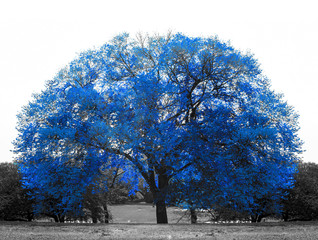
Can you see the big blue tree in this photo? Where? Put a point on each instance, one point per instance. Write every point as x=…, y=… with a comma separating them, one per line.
x=170, y=109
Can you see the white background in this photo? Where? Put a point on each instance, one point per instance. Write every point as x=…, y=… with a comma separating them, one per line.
x=37, y=38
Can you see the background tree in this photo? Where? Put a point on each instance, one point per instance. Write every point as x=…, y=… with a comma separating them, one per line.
x=302, y=200
x=170, y=108
x=57, y=190
x=15, y=202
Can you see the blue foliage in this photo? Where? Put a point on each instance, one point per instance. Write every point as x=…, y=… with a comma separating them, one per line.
x=193, y=113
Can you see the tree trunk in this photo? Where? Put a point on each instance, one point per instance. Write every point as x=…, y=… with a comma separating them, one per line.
x=160, y=199
x=285, y=216
x=254, y=218
x=94, y=219
x=62, y=219
x=30, y=217
x=260, y=218
x=257, y=218
x=161, y=212
x=193, y=216
x=106, y=213
x=55, y=217
x=95, y=213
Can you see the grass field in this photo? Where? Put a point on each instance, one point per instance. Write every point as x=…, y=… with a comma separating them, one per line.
x=137, y=221
x=50, y=231
x=146, y=213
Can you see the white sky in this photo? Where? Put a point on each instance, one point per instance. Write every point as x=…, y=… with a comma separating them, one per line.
x=37, y=38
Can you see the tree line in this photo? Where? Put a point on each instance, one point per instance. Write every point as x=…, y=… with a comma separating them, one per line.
x=18, y=203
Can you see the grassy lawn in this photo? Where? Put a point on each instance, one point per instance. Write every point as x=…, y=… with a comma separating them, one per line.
x=146, y=213
x=137, y=221
x=48, y=231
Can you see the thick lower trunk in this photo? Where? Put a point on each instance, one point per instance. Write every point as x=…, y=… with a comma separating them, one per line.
x=160, y=199
x=161, y=212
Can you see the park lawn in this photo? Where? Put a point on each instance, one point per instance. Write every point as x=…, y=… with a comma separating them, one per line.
x=137, y=221
x=67, y=231
x=146, y=213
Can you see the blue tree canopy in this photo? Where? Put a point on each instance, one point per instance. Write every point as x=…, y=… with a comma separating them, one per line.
x=170, y=109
